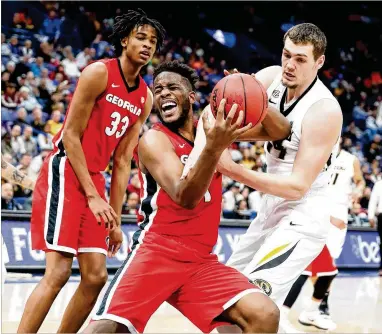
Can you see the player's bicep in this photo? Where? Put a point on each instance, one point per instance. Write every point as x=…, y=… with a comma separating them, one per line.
x=317, y=140
x=91, y=84
x=157, y=155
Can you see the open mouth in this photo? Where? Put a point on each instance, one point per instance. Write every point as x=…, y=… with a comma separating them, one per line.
x=289, y=75
x=145, y=54
x=169, y=107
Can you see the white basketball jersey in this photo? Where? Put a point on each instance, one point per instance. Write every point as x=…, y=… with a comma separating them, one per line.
x=281, y=154
x=342, y=178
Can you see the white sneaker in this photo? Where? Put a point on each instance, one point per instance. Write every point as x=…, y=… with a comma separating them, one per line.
x=317, y=319
x=285, y=326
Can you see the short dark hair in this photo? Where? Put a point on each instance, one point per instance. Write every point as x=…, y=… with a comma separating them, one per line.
x=305, y=33
x=125, y=24
x=182, y=69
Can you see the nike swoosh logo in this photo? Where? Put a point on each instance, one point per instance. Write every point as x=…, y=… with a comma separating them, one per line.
x=114, y=86
x=293, y=224
x=270, y=101
x=181, y=146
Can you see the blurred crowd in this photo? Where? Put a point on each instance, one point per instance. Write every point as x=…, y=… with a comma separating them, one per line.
x=39, y=73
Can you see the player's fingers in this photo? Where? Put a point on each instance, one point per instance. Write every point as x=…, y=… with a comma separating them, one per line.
x=98, y=218
x=103, y=217
x=226, y=73
x=239, y=120
x=116, y=248
x=110, y=251
x=108, y=215
x=243, y=129
x=231, y=114
x=235, y=70
x=220, y=113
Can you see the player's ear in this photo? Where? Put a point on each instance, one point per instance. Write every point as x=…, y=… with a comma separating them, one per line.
x=191, y=97
x=320, y=61
x=124, y=41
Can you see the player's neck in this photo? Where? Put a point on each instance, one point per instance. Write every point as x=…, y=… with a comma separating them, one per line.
x=187, y=130
x=295, y=93
x=130, y=71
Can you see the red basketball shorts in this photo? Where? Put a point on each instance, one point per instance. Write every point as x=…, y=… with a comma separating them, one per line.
x=322, y=265
x=61, y=219
x=159, y=269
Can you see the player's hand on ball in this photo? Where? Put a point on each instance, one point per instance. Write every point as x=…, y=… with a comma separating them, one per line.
x=102, y=211
x=224, y=132
x=115, y=241
x=233, y=72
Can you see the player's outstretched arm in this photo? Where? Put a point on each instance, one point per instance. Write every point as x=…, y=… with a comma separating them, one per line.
x=92, y=83
x=122, y=159
x=13, y=175
x=358, y=179
x=321, y=128
x=157, y=155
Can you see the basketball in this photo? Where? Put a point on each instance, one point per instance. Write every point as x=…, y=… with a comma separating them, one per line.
x=244, y=90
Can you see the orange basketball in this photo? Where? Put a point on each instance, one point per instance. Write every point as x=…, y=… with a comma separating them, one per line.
x=244, y=90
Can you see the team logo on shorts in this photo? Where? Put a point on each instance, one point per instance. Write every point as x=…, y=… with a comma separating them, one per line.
x=107, y=241
x=263, y=285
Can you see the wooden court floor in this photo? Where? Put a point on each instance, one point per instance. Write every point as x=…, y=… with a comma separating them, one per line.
x=355, y=302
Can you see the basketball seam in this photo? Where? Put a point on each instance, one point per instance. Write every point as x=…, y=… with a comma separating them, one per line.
x=245, y=100
x=225, y=84
x=262, y=94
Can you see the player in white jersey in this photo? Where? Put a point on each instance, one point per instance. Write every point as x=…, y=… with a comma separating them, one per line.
x=346, y=185
x=291, y=227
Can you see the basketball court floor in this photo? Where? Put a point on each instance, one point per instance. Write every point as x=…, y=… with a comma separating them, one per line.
x=356, y=306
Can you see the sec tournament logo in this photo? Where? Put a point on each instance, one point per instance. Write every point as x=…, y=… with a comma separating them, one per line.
x=263, y=285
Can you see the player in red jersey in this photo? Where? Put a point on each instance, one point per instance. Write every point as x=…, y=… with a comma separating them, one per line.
x=170, y=257
x=110, y=104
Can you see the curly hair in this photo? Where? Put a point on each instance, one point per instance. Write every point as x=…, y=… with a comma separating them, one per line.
x=182, y=69
x=125, y=24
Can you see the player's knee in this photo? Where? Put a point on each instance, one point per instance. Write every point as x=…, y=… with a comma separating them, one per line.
x=58, y=276
x=265, y=319
x=95, y=279
x=260, y=315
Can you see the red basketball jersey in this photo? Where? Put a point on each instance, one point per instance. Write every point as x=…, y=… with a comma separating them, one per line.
x=196, y=228
x=114, y=112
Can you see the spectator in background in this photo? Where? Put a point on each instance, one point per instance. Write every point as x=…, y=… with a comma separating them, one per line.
x=55, y=122
x=36, y=163
x=135, y=185
x=231, y=197
x=375, y=215
x=131, y=204
x=83, y=58
x=45, y=51
x=28, y=101
x=148, y=77
x=37, y=119
x=5, y=48
x=364, y=200
x=51, y=25
x=7, y=201
x=6, y=144
x=9, y=99
x=27, y=49
x=37, y=66
x=16, y=140
x=254, y=200
x=21, y=118
x=71, y=67
x=14, y=45
x=45, y=78
x=45, y=139
x=30, y=143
